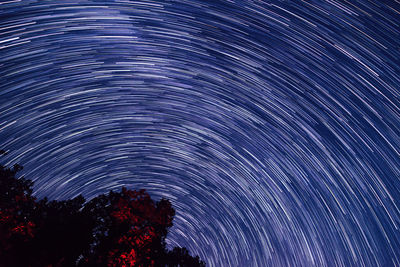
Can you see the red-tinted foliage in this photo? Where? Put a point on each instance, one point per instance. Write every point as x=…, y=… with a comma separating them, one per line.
x=122, y=229
x=132, y=228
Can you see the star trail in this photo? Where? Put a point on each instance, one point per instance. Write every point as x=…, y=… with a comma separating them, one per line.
x=272, y=126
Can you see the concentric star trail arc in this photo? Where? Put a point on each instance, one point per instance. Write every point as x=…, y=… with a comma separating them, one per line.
x=272, y=126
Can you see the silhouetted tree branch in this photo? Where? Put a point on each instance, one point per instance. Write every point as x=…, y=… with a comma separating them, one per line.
x=124, y=228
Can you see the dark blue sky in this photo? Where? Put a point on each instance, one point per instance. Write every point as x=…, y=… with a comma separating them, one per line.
x=272, y=126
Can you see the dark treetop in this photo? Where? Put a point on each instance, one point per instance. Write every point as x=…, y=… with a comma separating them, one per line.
x=124, y=229
x=272, y=126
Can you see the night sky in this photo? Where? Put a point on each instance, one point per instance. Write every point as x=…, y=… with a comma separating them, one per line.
x=272, y=126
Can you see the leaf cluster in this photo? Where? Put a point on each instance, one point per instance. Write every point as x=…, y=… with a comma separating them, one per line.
x=125, y=228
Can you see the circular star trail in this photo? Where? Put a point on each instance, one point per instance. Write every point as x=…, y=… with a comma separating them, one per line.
x=272, y=126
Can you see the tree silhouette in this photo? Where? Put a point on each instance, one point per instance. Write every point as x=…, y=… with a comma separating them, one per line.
x=130, y=229
x=124, y=228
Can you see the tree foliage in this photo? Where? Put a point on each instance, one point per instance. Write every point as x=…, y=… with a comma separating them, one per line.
x=124, y=228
